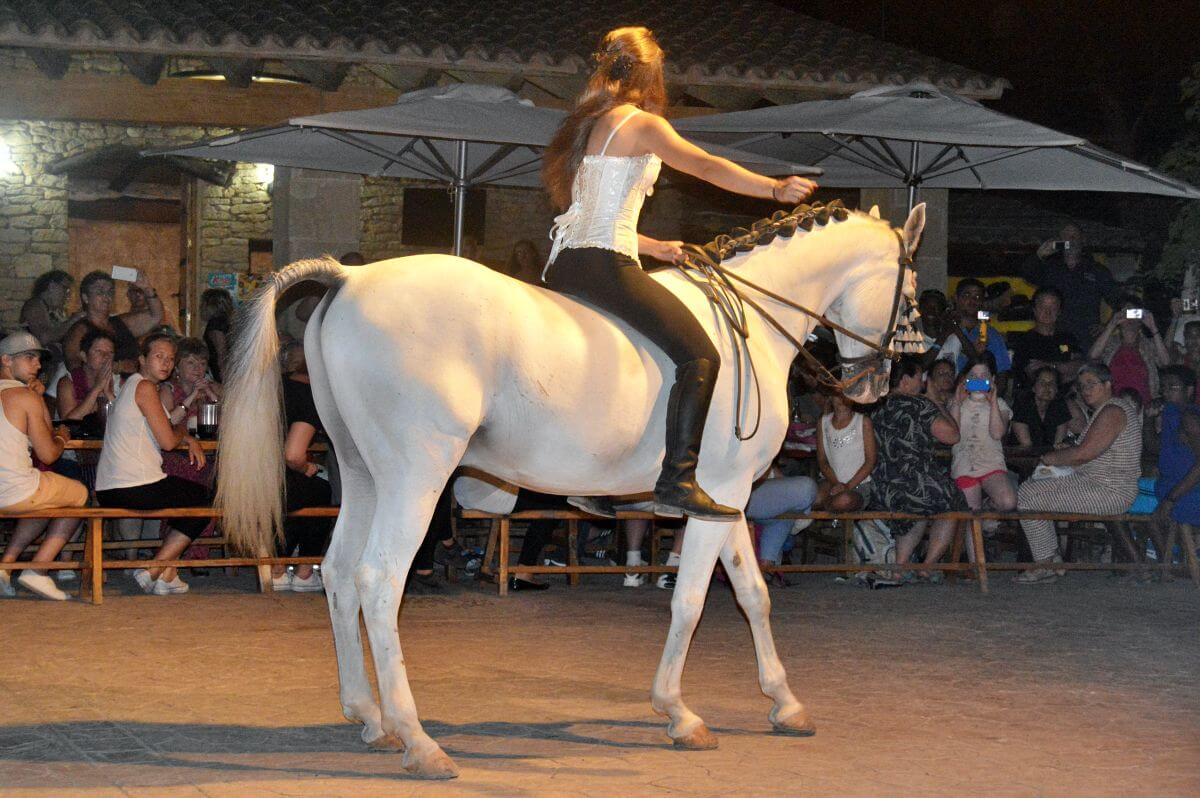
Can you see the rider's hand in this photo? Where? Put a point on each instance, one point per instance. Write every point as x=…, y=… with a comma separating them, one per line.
x=669, y=252
x=792, y=189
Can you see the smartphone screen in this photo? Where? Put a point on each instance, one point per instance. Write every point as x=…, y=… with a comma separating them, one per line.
x=124, y=273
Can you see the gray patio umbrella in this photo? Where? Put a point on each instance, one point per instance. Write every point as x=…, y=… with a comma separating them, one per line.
x=917, y=135
x=464, y=135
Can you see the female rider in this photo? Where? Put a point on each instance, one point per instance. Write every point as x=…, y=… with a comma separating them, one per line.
x=602, y=163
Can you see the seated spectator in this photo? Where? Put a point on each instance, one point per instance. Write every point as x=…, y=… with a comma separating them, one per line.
x=635, y=536
x=1045, y=344
x=908, y=477
x=24, y=425
x=88, y=386
x=1041, y=416
x=1103, y=476
x=96, y=292
x=845, y=457
x=216, y=311
x=778, y=495
x=130, y=473
x=45, y=312
x=1178, y=484
x=977, y=459
x=939, y=383
x=937, y=321
x=189, y=387
x=1189, y=353
x=305, y=537
x=1065, y=264
x=1131, y=357
x=974, y=336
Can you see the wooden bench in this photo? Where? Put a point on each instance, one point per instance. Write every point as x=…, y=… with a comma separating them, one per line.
x=499, y=544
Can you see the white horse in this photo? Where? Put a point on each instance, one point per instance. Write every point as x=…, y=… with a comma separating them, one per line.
x=425, y=363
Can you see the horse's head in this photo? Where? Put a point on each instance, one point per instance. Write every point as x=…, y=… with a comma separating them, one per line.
x=878, y=305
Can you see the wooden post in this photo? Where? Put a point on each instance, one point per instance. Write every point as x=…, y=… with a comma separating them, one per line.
x=502, y=570
x=91, y=578
x=980, y=554
x=573, y=551
x=1189, y=552
x=956, y=548
x=493, y=536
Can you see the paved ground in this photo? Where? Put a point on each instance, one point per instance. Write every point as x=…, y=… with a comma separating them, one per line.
x=1087, y=687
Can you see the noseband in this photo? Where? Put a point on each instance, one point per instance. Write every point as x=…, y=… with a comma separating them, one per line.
x=702, y=266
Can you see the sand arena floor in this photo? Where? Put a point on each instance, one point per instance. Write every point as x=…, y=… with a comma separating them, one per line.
x=1086, y=687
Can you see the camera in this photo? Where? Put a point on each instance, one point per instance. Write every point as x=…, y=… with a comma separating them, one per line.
x=1134, y=313
x=1063, y=246
x=978, y=386
x=983, y=315
x=1190, y=305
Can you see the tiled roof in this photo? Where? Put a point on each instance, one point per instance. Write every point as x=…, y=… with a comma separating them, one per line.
x=753, y=43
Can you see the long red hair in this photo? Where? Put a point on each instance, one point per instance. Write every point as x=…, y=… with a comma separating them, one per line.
x=629, y=69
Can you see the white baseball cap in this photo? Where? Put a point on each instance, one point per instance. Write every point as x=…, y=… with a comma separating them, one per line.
x=20, y=342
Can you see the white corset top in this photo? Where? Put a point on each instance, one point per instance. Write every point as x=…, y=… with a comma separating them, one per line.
x=606, y=200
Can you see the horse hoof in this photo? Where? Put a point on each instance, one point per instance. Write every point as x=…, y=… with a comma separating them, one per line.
x=386, y=743
x=701, y=739
x=795, y=725
x=433, y=765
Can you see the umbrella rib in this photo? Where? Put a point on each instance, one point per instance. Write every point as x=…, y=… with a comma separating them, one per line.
x=1148, y=174
x=515, y=170
x=972, y=166
x=368, y=147
x=844, y=151
x=887, y=148
x=496, y=157
x=936, y=161
x=438, y=157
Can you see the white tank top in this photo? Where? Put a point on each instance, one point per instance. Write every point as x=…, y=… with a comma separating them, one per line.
x=18, y=478
x=844, y=447
x=130, y=455
x=606, y=200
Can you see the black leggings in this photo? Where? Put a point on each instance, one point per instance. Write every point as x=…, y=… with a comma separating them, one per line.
x=167, y=492
x=616, y=283
x=307, y=534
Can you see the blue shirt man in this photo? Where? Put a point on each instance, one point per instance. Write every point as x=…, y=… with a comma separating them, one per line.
x=968, y=299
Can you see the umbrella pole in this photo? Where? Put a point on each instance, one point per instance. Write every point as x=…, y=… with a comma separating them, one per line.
x=914, y=153
x=460, y=196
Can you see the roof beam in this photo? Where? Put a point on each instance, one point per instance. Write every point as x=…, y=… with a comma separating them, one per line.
x=563, y=87
x=52, y=63
x=238, y=72
x=404, y=78
x=326, y=76
x=146, y=68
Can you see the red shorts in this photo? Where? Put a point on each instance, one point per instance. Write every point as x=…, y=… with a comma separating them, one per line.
x=970, y=482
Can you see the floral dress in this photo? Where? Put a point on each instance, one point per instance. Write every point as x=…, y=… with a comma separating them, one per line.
x=908, y=477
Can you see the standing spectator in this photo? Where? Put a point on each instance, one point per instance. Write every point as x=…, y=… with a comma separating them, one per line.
x=845, y=457
x=130, y=474
x=977, y=460
x=974, y=336
x=1041, y=416
x=1045, y=344
x=1063, y=263
x=96, y=292
x=216, y=311
x=908, y=477
x=939, y=383
x=305, y=536
x=1178, y=485
x=88, y=386
x=45, y=312
x=1132, y=358
x=25, y=424
x=1106, y=465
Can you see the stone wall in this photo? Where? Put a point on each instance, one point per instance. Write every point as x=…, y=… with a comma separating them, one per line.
x=230, y=218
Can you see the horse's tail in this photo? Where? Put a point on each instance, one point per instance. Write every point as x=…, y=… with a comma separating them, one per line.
x=249, y=484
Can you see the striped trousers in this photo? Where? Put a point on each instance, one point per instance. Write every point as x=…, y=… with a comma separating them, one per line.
x=1072, y=494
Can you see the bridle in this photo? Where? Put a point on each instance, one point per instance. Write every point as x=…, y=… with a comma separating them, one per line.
x=702, y=266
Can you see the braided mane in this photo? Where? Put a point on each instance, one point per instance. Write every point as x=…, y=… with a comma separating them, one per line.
x=780, y=223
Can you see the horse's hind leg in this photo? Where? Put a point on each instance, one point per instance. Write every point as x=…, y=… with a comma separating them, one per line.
x=406, y=494
x=337, y=569
x=700, y=547
x=788, y=715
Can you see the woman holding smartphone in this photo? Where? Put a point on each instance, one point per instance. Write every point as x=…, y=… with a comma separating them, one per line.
x=96, y=292
x=1132, y=358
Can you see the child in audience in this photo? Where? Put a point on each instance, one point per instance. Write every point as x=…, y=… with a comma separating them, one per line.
x=977, y=460
x=845, y=456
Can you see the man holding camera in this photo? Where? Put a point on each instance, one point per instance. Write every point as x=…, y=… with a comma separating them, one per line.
x=1062, y=263
x=974, y=334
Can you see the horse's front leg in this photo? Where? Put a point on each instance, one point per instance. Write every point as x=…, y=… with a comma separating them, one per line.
x=701, y=545
x=788, y=715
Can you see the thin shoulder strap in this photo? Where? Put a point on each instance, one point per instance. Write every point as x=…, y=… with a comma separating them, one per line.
x=617, y=127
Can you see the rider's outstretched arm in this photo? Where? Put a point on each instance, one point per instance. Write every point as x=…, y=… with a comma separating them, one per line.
x=677, y=152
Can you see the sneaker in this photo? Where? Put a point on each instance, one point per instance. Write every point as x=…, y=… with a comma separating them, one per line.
x=6, y=588
x=173, y=588
x=42, y=585
x=312, y=584
x=635, y=580
x=1035, y=576
x=282, y=584
x=142, y=577
x=665, y=582
x=456, y=556
x=66, y=575
x=553, y=562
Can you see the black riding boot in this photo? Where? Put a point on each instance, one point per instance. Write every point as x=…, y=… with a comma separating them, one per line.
x=687, y=410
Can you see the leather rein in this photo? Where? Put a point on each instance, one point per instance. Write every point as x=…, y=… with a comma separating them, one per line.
x=702, y=266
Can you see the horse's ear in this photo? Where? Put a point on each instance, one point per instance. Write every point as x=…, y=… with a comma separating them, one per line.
x=874, y=211
x=913, y=227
